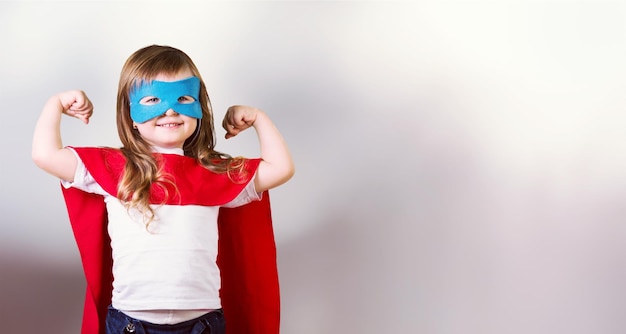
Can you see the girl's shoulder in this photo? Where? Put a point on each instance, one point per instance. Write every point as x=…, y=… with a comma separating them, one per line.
x=94, y=158
x=105, y=164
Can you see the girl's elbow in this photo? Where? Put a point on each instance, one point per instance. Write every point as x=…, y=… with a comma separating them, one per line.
x=39, y=159
x=286, y=175
x=270, y=179
x=43, y=163
x=291, y=171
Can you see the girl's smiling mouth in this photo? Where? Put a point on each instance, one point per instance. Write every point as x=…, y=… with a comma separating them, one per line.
x=169, y=125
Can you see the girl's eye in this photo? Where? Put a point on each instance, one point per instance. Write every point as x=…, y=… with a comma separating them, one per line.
x=150, y=100
x=186, y=99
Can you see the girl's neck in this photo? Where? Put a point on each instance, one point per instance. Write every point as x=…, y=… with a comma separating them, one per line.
x=178, y=151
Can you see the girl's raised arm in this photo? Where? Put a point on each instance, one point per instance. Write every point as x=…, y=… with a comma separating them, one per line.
x=276, y=166
x=48, y=152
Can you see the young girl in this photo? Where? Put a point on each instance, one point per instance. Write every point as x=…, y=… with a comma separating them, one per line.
x=159, y=196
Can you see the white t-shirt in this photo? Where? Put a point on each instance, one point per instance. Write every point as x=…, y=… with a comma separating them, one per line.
x=171, y=265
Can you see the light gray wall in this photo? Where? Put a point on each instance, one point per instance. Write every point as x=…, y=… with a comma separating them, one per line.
x=460, y=164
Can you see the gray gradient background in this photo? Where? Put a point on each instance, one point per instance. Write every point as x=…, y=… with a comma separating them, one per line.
x=460, y=164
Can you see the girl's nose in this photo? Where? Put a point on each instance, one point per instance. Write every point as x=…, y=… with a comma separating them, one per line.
x=170, y=112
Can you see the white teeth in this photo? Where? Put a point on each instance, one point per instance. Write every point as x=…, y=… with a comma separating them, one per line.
x=168, y=125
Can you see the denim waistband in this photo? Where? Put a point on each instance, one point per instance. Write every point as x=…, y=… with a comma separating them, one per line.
x=119, y=322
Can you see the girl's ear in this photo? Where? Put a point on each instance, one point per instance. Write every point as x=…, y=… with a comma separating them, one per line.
x=134, y=125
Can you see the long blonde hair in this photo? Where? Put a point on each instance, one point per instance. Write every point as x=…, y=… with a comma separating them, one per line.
x=142, y=171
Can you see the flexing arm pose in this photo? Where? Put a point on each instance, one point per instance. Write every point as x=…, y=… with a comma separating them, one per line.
x=276, y=166
x=48, y=152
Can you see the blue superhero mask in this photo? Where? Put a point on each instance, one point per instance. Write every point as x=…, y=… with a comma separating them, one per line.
x=168, y=94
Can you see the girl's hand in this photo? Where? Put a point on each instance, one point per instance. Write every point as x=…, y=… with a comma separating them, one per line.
x=239, y=118
x=75, y=103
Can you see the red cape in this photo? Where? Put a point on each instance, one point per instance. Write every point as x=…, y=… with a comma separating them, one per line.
x=246, y=248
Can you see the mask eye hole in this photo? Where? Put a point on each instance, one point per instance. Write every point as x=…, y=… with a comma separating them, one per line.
x=186, y=99
x=150, y=100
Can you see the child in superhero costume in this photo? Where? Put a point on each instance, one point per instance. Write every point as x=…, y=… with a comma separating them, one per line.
x=174, y=236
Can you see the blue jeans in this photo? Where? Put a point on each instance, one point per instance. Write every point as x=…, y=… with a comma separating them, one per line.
x=119, y=323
